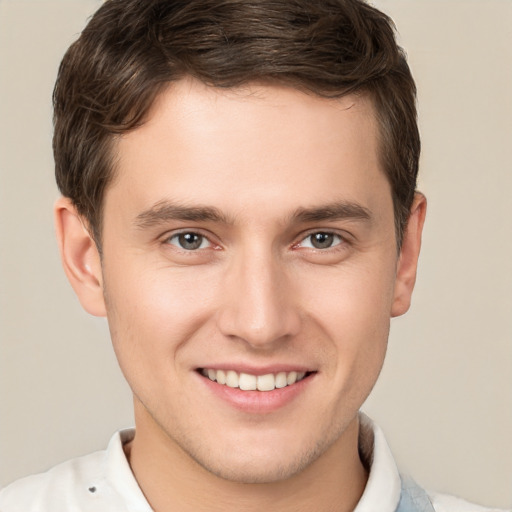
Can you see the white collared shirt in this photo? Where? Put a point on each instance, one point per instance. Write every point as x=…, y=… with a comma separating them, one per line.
x=103, y=481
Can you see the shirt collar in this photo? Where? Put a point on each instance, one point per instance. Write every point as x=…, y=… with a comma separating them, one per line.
x=119, y=474
x=382, y=491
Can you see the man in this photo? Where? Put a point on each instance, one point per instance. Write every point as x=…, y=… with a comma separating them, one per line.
x=239, y=200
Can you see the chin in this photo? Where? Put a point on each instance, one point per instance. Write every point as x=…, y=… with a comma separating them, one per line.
x=256, y=472
x=264, y=466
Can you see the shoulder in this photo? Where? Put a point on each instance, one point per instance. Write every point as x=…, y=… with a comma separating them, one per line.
x=102, y=480
x=447, y=503
x=64, y=487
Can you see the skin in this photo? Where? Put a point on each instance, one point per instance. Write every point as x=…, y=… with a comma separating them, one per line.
x=256, y=293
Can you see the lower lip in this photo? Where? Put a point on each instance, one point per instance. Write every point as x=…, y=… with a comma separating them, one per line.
x=258, y=402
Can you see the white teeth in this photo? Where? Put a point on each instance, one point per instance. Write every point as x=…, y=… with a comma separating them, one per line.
x=266, y=382
x=248, y=382
x=281, y=380
x=232, y=379
x=221, y=377
x=291, y=378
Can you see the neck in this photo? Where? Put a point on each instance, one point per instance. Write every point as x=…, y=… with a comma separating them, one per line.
x=171, y=480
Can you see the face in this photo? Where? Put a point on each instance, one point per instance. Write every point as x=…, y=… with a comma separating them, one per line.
x=249, y=265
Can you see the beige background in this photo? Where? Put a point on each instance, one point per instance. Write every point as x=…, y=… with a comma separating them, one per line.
x=445, y=396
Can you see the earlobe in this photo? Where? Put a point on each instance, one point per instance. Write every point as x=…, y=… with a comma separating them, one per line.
x=409, y=254
x=80, y=257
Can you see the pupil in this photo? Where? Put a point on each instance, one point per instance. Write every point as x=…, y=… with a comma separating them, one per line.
x=322, y=240
x=190, y=240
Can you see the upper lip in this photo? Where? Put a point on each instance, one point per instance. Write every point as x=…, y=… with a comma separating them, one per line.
x=257, y=370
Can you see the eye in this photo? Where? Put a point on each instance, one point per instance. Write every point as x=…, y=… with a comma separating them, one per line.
x=189, y=241
x=321, y=240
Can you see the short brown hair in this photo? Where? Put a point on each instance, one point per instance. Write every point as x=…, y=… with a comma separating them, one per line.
x=131, y=49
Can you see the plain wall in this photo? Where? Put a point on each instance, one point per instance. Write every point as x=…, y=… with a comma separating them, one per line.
x=445, y=395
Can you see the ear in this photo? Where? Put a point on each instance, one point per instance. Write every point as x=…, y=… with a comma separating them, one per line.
x=409, y=254
x=80, y=257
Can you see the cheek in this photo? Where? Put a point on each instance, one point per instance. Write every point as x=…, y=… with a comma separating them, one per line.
x=351, y=305
x=152, y=313
x=351, y=299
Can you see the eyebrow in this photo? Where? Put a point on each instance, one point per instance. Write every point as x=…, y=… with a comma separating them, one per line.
x=165, y=211
x=331, y=212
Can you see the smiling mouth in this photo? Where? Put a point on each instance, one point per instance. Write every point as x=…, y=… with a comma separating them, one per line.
x=248, y=382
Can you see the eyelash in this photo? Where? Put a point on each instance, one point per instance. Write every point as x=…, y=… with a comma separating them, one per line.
x=342, y=241
x=184, y=233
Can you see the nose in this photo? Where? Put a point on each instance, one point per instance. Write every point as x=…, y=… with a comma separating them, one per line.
x=259, y=304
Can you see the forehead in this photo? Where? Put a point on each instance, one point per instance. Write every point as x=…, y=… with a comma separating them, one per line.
x=265, y=144
x=259, y=106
